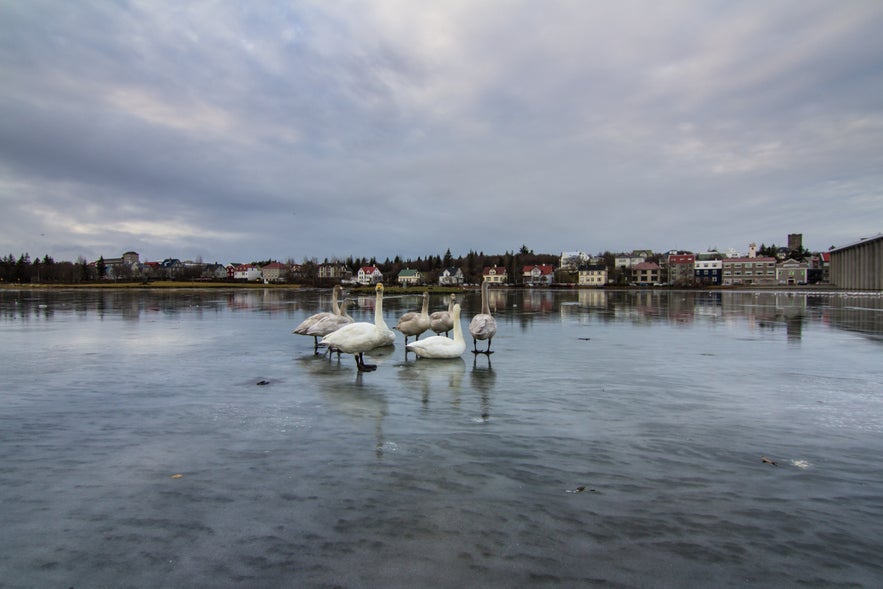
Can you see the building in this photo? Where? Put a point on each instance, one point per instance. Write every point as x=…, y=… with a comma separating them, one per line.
x=792, y=272
x=572, y=260
x=795, y=242
x=171, y=268
x=681, y=269
x=409, y=277
x=275, y=272
x=334, y=272
x=592, y=275
x=369, y=275
x=646, y=273
x=247, y=272
x=451, y=277
x=538, y=274
x=708, y=269
x=214, y=272
x=858, y=265
x=495, y=275
x=757, y=271
x=821, y=269
x=628, y=260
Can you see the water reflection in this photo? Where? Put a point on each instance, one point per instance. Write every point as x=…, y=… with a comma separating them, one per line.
x=483, y=379
x=860, y=312
x=428, y=375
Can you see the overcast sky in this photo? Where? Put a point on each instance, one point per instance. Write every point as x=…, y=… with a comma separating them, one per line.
x=240, y=131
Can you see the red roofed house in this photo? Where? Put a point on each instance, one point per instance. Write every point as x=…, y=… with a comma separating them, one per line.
x=538, y=274
x=494, y=275
x=681, y=271
x=275, y=272
x=247, y=272
x=369, y=275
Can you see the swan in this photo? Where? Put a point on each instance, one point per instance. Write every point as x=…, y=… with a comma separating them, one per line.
x=358, y=338
x=483, y=326
x=442, y=321
x=331, y=323
x=415, y=323
x=305, y=325
x=439, y=346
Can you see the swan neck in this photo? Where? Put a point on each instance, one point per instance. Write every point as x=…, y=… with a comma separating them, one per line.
x=458, y=329
x=485, y=307
x=378, y=310
x=335, y=307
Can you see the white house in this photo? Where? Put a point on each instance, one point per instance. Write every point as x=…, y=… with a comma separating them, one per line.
x=369, y=275
x=247, y=272
x=451, y=277
x=593, y=275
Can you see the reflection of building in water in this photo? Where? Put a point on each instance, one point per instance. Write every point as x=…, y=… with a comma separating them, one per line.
x=537, y=301
x=496, y=298
x=792, y=309
x=682, y=307
x=756, y=307
x=594, y=299
x=707, y=305
x=861, y=314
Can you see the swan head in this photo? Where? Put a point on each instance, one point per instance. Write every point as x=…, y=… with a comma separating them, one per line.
x=379, y=288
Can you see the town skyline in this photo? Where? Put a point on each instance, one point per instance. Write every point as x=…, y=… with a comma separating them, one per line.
x=522, y=249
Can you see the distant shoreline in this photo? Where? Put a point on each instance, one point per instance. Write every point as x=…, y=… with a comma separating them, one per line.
x=195, y=285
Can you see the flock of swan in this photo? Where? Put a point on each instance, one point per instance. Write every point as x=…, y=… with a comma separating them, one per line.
x=339, y=332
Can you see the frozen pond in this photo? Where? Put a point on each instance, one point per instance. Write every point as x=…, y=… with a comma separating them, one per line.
x=462, y=473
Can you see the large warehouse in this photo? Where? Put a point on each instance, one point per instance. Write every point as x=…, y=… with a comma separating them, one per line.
x=859, y=265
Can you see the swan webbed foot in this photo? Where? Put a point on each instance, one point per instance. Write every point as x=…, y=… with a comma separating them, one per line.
x=360, y=364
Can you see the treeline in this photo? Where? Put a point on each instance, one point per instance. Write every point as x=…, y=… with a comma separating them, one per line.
x=431, y=267
x=23, y=270
x=44, y=270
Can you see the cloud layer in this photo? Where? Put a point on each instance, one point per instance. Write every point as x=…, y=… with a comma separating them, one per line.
x=243, y=131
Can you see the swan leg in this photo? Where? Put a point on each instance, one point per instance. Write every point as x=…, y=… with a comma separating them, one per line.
x=316, y=345
x=488, y=350
x=360, y=364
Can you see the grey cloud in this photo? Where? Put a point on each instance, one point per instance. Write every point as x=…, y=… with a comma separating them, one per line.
x=273, y=129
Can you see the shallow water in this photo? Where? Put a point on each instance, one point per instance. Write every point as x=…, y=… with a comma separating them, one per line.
x=659, y=405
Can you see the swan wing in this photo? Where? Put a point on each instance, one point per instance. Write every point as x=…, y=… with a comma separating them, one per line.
x=310, y=321
x=437, y=346
x=329, y=325
x=483, y=326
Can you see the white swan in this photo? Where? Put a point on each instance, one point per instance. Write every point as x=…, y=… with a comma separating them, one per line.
x=443, y=321
x=361, y=337
x=415, y=323
x=439, y=346
x=305, y=325
x=483, y=326
x=331, y=323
